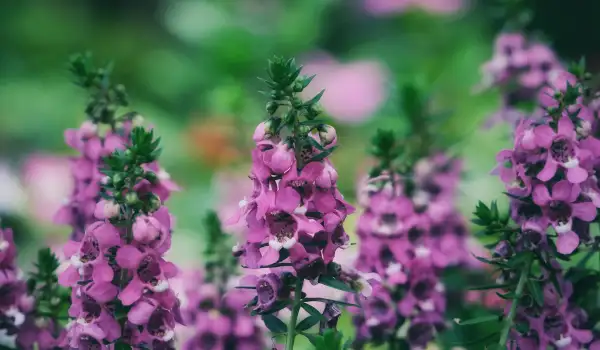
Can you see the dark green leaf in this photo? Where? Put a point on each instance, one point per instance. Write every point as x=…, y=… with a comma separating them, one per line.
x=325, y=300
x=536, y=292
x=315, y=99
x=315, y=339
x=477, y=320
x=335, y=283
x=274, y=324
x=492, y=286
x=313, y=311
x=307, y=323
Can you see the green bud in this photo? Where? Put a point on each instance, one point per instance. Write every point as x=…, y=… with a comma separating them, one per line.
x=138, y=171
x=154, y=203
x=131, y=198
x=297, y=86
x=297, y=102
x=304, y=129
x=151, y=176
x=117, y=179
x=272, y=107
x=128, y=153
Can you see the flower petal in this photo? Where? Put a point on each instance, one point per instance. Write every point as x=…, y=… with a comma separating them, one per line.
x=567, y=242
x=128, y=257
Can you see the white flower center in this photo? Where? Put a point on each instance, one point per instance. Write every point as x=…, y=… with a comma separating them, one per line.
x=17, y=315
x=427, y=305
x=422, y=252
x=563, y=341
x=372, y=322
x=3, y=245
x=161, y=286
x=563, y=227
x=393, y=268
x=571, y=163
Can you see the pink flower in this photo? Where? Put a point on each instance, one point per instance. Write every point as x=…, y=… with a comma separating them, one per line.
x=563, y=150
x=355, y=91
x=47, y=181
x=561, y=207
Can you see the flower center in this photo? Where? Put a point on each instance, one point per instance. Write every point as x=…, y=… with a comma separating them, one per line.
x=554, y=325
x=419, y=334
x=422, y=289
x=265, y=291
x=282, y=226
x=148, y=270
x=88, y=343
x=562, y=150
x=208, y=341
x=559, y=211
x=89, y=249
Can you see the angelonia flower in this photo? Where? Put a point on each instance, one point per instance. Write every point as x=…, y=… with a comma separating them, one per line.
x=219, y=319
x=80, y=209
x=12, y=312
x=519, y=68
x=295, y=213
x=117, y=271
x=549, y=175
x=20, y=326
x=409, y=232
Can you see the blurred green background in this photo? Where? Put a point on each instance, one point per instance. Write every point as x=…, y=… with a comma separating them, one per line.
x=190, y=68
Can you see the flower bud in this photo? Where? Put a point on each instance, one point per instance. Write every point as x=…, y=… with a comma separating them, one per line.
x=106, y=209
x=146, y=229
x=272, y=107
x=88, y=130
x=328, y=135
x=131, y=198
x=117, y=179
x=503, y=249
x=154, y=203
x=261, y=132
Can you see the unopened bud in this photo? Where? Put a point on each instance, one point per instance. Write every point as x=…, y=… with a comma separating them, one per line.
x=328, y=135
x=131, y=198
x=272, y=107
x=154, y=203
x=117, y=179
x=297, y=86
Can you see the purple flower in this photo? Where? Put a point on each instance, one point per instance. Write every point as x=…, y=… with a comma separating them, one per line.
x=560, y=208
x=563, y=150
x=268, y=289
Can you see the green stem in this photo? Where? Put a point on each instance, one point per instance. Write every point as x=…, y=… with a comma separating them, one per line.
x=291, y=335
x=513, y=308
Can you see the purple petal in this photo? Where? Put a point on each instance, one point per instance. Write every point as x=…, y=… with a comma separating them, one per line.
x=103, y=272
x=140, y=313
x=544, y=136
x=577, y=175
x=102, y=292
x=287, y=199
x=586, y=211
x=68, y=277
x=567, y=242
x=541, y=196
x=132, y=292
x=549, y=169
x=566, y=128
x=561, y=191
x=128, y=257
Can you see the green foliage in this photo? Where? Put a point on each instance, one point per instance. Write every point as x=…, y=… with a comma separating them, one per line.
x=105, y=97
x=52, y=300
x=287, y=110
x=219, y=263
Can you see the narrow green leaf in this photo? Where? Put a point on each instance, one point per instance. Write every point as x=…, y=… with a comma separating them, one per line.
x=307, y=323
x=536, y=292
x=313, y=311
x=478, y=320
x=492, y=286
x=335, y=283
x=325, y=300
x=274, y=324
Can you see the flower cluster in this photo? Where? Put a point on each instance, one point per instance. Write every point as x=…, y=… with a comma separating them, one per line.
x=550, y=173
x=29, y=310
x=13, y=304
x=520, y=69
x=212, y=307
x=409, y=231
x=119, y=278
x=220, y=321
x=295, y=215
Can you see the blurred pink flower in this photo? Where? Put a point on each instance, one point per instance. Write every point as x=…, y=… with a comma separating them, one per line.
x=47, y=180
x=382, y=7
x=355, y=90
x=228, y=188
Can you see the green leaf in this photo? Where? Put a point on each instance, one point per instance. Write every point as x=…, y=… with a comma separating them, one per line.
x=325, y=300
x=315, y=339
x=335, y=283
x=323, y=154
x=307, y=323
x=274, y=324
x=478, y=320
x=492, y=286
x=315, y=99
x=536, y=291
x=313, y=311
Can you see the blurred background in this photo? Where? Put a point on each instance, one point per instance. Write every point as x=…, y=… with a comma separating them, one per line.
x=190, y=68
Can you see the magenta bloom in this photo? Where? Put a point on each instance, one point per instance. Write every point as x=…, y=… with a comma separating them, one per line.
x=563, y=151
x=561, y=207
x=355, y=91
